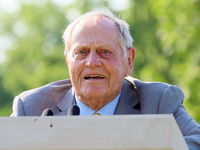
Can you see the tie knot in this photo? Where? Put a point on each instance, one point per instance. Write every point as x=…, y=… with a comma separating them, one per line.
x=96, y=114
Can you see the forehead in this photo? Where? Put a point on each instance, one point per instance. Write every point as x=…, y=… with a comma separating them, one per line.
x=95, y=31
x=95, y=26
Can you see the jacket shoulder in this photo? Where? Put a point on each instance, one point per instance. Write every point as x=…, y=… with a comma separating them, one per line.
x=157, y=97
x=55, y=87
x=147, y=87
x=33, y=102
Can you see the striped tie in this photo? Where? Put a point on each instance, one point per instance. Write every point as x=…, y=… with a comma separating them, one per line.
x=96, y=114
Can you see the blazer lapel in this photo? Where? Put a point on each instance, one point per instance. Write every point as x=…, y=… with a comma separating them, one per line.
x=66, y=102
x=128, y=101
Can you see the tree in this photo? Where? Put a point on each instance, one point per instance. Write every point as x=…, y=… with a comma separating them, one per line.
x=37, y=55
x=166, y=37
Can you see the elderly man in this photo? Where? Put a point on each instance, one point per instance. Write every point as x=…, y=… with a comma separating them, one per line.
x=100, y=58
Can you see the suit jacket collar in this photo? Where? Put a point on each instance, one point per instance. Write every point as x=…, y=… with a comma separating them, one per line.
x=128, y=101
x=67, y=100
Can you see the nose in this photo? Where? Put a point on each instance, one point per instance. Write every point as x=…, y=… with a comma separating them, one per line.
x=93, y=60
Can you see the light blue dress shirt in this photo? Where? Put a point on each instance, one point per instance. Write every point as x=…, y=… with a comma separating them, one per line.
x=108, y=109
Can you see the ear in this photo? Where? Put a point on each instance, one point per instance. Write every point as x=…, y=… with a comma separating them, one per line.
x=66, y=60
x=130, y=59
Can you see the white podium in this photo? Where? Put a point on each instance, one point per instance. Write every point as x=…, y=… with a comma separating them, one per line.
x=121, y=132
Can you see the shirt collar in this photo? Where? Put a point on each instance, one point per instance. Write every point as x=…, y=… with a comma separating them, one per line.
x=108, y=109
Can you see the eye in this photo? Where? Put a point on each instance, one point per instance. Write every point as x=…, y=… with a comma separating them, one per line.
x=82, y=52
x=105, y=51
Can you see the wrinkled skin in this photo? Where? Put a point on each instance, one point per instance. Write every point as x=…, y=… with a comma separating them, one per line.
x=96, y=62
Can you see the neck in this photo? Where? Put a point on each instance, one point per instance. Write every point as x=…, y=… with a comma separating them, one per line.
x=96, y=103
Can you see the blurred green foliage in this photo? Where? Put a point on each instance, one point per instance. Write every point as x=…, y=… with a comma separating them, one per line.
x=166, y=37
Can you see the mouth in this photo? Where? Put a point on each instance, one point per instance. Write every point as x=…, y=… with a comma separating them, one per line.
x=93, y=77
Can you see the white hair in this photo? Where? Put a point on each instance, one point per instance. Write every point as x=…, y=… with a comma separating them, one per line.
x=125, y=38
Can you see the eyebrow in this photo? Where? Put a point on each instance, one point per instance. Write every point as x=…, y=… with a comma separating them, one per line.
x=76, y=46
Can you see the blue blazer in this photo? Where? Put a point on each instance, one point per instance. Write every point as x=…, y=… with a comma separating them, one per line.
x=137, y=97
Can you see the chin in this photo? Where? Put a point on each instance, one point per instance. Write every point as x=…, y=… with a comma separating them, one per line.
x=94, y=93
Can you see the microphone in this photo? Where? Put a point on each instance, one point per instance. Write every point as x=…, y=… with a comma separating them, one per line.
x=47, y=112
x=73, y=110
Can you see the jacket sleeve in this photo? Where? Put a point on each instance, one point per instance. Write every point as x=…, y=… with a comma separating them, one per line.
x=172, y=99
x=18, y=109
x=189, y=128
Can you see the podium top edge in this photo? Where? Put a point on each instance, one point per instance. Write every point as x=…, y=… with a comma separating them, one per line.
x=150, y=116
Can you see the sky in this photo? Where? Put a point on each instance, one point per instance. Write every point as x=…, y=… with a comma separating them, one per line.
x=11, y=6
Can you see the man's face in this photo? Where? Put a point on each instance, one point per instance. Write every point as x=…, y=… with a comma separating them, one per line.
x=96, y=62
